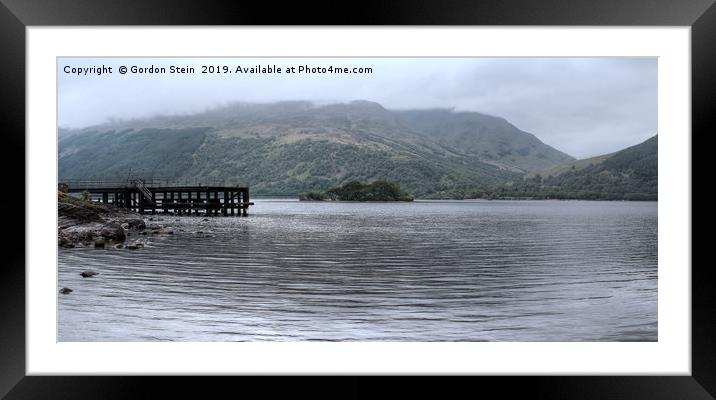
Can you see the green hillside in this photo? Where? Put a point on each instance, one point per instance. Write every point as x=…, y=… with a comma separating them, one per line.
x=488, y=138
x=289, y=148
x=629, y=174
x=575, y=165
x=274, y=167
x=103, y=154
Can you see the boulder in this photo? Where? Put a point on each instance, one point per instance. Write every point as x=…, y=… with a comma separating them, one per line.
x=65, y=290
x=113, y=231
x=136, y=224
x=89, y=274
x=76, y=235
x=135, y=246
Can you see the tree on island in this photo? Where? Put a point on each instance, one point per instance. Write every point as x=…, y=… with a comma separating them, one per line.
x=312, y=196
x=357, y=191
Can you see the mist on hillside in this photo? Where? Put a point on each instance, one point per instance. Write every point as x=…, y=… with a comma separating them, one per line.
x=582, y=106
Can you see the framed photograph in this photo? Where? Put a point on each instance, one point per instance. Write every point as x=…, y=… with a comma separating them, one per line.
x=434, y=190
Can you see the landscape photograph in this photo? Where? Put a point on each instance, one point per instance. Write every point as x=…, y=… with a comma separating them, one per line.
x=383, y=199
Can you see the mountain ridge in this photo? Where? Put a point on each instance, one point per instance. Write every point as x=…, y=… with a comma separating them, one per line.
x=286, y=148
x=628, y=174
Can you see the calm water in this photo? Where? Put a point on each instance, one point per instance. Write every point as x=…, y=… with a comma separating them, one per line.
x=422, y=271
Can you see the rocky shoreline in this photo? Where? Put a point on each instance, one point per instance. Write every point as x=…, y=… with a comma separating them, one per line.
x=82, y=223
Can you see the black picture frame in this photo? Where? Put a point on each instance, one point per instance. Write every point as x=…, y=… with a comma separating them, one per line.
x=16, y=15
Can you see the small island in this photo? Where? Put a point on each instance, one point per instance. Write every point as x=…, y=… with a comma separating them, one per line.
x=357, y=191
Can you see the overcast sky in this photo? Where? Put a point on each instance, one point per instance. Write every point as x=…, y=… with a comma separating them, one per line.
x=582, y=106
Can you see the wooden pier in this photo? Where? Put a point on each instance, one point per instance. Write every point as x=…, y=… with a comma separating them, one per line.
x=168, y=197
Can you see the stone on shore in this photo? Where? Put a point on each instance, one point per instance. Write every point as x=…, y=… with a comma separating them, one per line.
x=86, y=223
x=113, y=231
x=134, y=246
x=136, y=224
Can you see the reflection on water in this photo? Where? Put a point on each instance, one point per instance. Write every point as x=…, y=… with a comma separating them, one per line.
x=422, y=271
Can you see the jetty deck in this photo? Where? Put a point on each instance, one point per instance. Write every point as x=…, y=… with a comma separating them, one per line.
x=165, y=196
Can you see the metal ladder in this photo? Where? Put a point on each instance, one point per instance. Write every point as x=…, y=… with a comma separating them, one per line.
x=142, y=188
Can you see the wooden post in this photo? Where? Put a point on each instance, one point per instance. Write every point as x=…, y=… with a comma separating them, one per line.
x=216, y=204
x=246, y=202
x=196, y=204
x=226, y=202
x=180, y=205
x=138, y=201
x=240, y=201
x=231, y=202
x=206, y=203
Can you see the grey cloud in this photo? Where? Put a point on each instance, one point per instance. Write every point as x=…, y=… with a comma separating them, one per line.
x=582, y=106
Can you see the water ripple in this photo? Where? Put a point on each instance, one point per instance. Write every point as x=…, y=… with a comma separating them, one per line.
x=422, y=271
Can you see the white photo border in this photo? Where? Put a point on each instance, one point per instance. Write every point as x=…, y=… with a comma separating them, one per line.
x=671, y=355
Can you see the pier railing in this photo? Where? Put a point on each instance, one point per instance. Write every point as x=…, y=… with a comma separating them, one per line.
x=149, y=183
x=176, y=196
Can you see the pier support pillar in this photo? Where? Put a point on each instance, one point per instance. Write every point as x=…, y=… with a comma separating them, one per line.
x=246, y=202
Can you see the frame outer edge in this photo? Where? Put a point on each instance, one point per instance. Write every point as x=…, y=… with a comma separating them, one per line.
x=703, y=103
x=12, y=290
x=12, y=127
